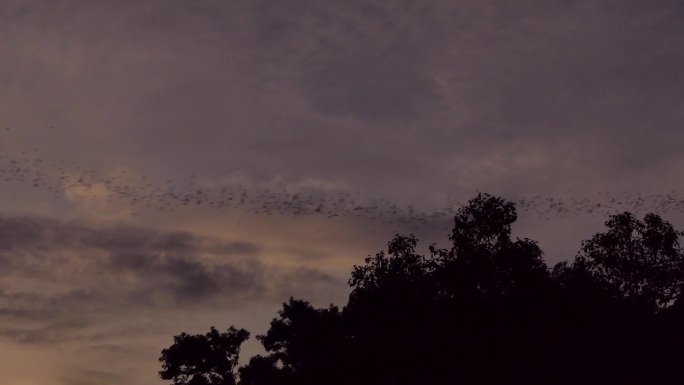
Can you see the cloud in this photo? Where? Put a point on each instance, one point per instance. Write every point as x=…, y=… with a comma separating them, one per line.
x=352, y=59
x=351, y=91
x=59, y=279
x=385, y=85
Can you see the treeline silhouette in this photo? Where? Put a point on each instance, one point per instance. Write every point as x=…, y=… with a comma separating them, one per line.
x=487, y=310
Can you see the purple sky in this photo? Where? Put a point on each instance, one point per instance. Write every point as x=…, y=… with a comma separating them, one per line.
x=324, y=127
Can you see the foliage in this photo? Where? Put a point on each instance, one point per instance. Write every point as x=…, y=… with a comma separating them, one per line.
x=303, y=337
x=486, y=310
x=209, y=359
x=640, y=262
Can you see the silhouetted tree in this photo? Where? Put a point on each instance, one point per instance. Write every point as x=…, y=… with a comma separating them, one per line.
x=265, y=370
x=209, y=359
x=484, y=261
x=640, y=262
x=391, y=299
x=305, y=346
x=486, y=310
x=418, y=319
x=402, y=270
x=613, y=293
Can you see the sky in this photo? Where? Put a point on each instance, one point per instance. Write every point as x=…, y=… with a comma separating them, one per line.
x=167, y=166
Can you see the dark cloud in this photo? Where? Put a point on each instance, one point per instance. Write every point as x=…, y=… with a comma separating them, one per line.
x=61, y=277
x=307, y=283
x=305, y=88
x=192, y=281
x=385, y=85
x=56, y=331
x=355, y=58
x=126, y=238
x=244, y=248
x=20, y=231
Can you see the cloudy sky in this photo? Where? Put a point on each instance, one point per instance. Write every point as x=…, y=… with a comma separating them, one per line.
x=166, y=166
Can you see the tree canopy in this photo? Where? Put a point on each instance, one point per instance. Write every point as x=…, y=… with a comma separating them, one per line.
x=209, y=359
x=639, y=261
x=486, y=310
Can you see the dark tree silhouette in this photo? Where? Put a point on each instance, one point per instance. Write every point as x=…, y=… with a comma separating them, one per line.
x=415, y=319
x=209, y=359
x=640, y=262
x=486, y=310
x=404, y=268
x=615, y=295
x=307, y=342
x=484, y=261
x=392, y=296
